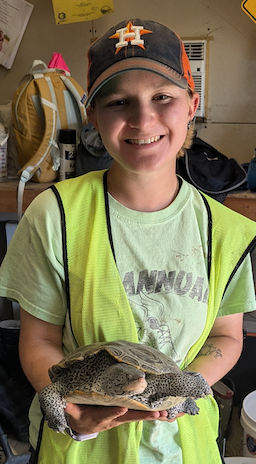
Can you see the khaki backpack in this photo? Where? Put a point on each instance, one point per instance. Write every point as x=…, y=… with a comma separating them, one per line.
x=48, y=101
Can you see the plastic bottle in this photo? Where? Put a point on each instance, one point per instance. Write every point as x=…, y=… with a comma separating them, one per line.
x=67, y=145
x=251, y=178
x=3, y=153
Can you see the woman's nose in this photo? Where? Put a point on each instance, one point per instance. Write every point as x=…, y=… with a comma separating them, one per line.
x=141, y=116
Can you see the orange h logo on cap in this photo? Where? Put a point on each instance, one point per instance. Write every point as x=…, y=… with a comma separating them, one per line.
x=131, y=34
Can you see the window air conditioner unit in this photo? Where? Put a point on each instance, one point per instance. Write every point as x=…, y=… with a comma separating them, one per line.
x=196, y=51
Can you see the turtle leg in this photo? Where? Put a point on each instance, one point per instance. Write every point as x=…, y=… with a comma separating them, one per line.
x=187, y=407
x=185, y=383
x=53, y=403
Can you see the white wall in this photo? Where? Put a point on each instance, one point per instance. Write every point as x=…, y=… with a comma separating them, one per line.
x=230, y=126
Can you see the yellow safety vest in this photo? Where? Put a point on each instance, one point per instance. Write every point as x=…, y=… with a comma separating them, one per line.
x=99, y=311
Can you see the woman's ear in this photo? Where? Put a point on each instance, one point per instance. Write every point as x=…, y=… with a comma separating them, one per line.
x=92, y=117
x=194, y=102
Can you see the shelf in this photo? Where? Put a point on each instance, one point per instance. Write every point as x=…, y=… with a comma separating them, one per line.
x=8, y=194
x=244, y=201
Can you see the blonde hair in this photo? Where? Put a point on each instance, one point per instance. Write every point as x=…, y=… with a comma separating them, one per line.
x=188, y=141
x=190, y=132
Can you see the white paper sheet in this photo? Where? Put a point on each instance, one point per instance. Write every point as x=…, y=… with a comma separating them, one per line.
x=14, y=17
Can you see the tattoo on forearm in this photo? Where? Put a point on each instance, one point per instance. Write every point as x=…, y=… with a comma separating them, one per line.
x=209, y=350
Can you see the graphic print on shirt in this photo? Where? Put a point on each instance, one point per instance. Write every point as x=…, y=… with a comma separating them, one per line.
x=181, y=283
x=153, y=295
x=153, y=311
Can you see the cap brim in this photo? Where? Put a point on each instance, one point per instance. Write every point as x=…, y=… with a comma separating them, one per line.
x=132, y=64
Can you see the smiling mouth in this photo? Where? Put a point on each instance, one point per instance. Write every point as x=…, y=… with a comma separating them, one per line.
x=144, y=141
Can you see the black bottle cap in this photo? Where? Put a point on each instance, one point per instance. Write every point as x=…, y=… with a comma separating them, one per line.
x=67, y=136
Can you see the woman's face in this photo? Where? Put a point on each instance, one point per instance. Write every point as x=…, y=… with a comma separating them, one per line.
x=142, y=119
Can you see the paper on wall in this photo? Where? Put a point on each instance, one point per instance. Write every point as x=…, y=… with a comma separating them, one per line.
x=74, y=11
x=14, y=17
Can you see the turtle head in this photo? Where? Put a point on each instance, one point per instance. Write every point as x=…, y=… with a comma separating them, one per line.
x=120, y=379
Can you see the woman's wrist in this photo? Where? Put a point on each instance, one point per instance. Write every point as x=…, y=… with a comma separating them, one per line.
x=78, y=436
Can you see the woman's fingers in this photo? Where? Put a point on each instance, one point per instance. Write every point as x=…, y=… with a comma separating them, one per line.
x=86, y=419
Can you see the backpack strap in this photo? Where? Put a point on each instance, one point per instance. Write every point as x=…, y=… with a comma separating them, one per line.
x=50, y=115
x=45, y=68
x=48, y=144
x=4, y=140
x=78, y=96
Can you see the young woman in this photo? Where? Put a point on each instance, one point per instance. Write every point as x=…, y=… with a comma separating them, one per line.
x=132, y=253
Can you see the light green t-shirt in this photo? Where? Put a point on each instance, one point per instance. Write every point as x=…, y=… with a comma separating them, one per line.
x=162, y=261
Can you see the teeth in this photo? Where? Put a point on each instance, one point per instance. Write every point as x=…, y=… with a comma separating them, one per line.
x=144, y=141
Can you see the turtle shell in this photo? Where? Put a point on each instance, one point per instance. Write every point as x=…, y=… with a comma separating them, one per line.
x=143, y=357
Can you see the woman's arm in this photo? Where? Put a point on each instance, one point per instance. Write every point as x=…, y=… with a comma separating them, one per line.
x=221, y=350
x=40, y=347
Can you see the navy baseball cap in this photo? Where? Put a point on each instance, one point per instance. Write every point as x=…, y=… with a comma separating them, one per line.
x=138, y=44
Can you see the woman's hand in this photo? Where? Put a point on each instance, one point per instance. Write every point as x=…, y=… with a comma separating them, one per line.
x=92, y=419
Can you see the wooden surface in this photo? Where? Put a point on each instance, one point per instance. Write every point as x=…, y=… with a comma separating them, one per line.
x=8, y=194
x=244, y=202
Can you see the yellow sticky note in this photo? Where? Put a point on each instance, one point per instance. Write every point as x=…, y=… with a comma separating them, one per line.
x=249, y=7
x=73, y=11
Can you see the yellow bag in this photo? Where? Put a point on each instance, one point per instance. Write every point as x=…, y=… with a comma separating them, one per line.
x=50, y=100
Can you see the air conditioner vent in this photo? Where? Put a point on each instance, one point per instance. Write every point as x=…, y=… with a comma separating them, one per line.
x=196, y=51
x=198, y=82
x=198, y=88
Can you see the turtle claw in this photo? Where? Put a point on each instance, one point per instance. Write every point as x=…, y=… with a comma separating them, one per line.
x=188, y=406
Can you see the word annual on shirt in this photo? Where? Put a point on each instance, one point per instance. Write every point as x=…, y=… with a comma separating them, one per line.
x=180, y=283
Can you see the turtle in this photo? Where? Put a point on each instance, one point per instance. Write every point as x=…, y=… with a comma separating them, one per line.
x=120, y=373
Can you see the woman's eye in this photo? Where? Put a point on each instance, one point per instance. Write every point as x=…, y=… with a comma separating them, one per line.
x=162, y=97
x=117, y=103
